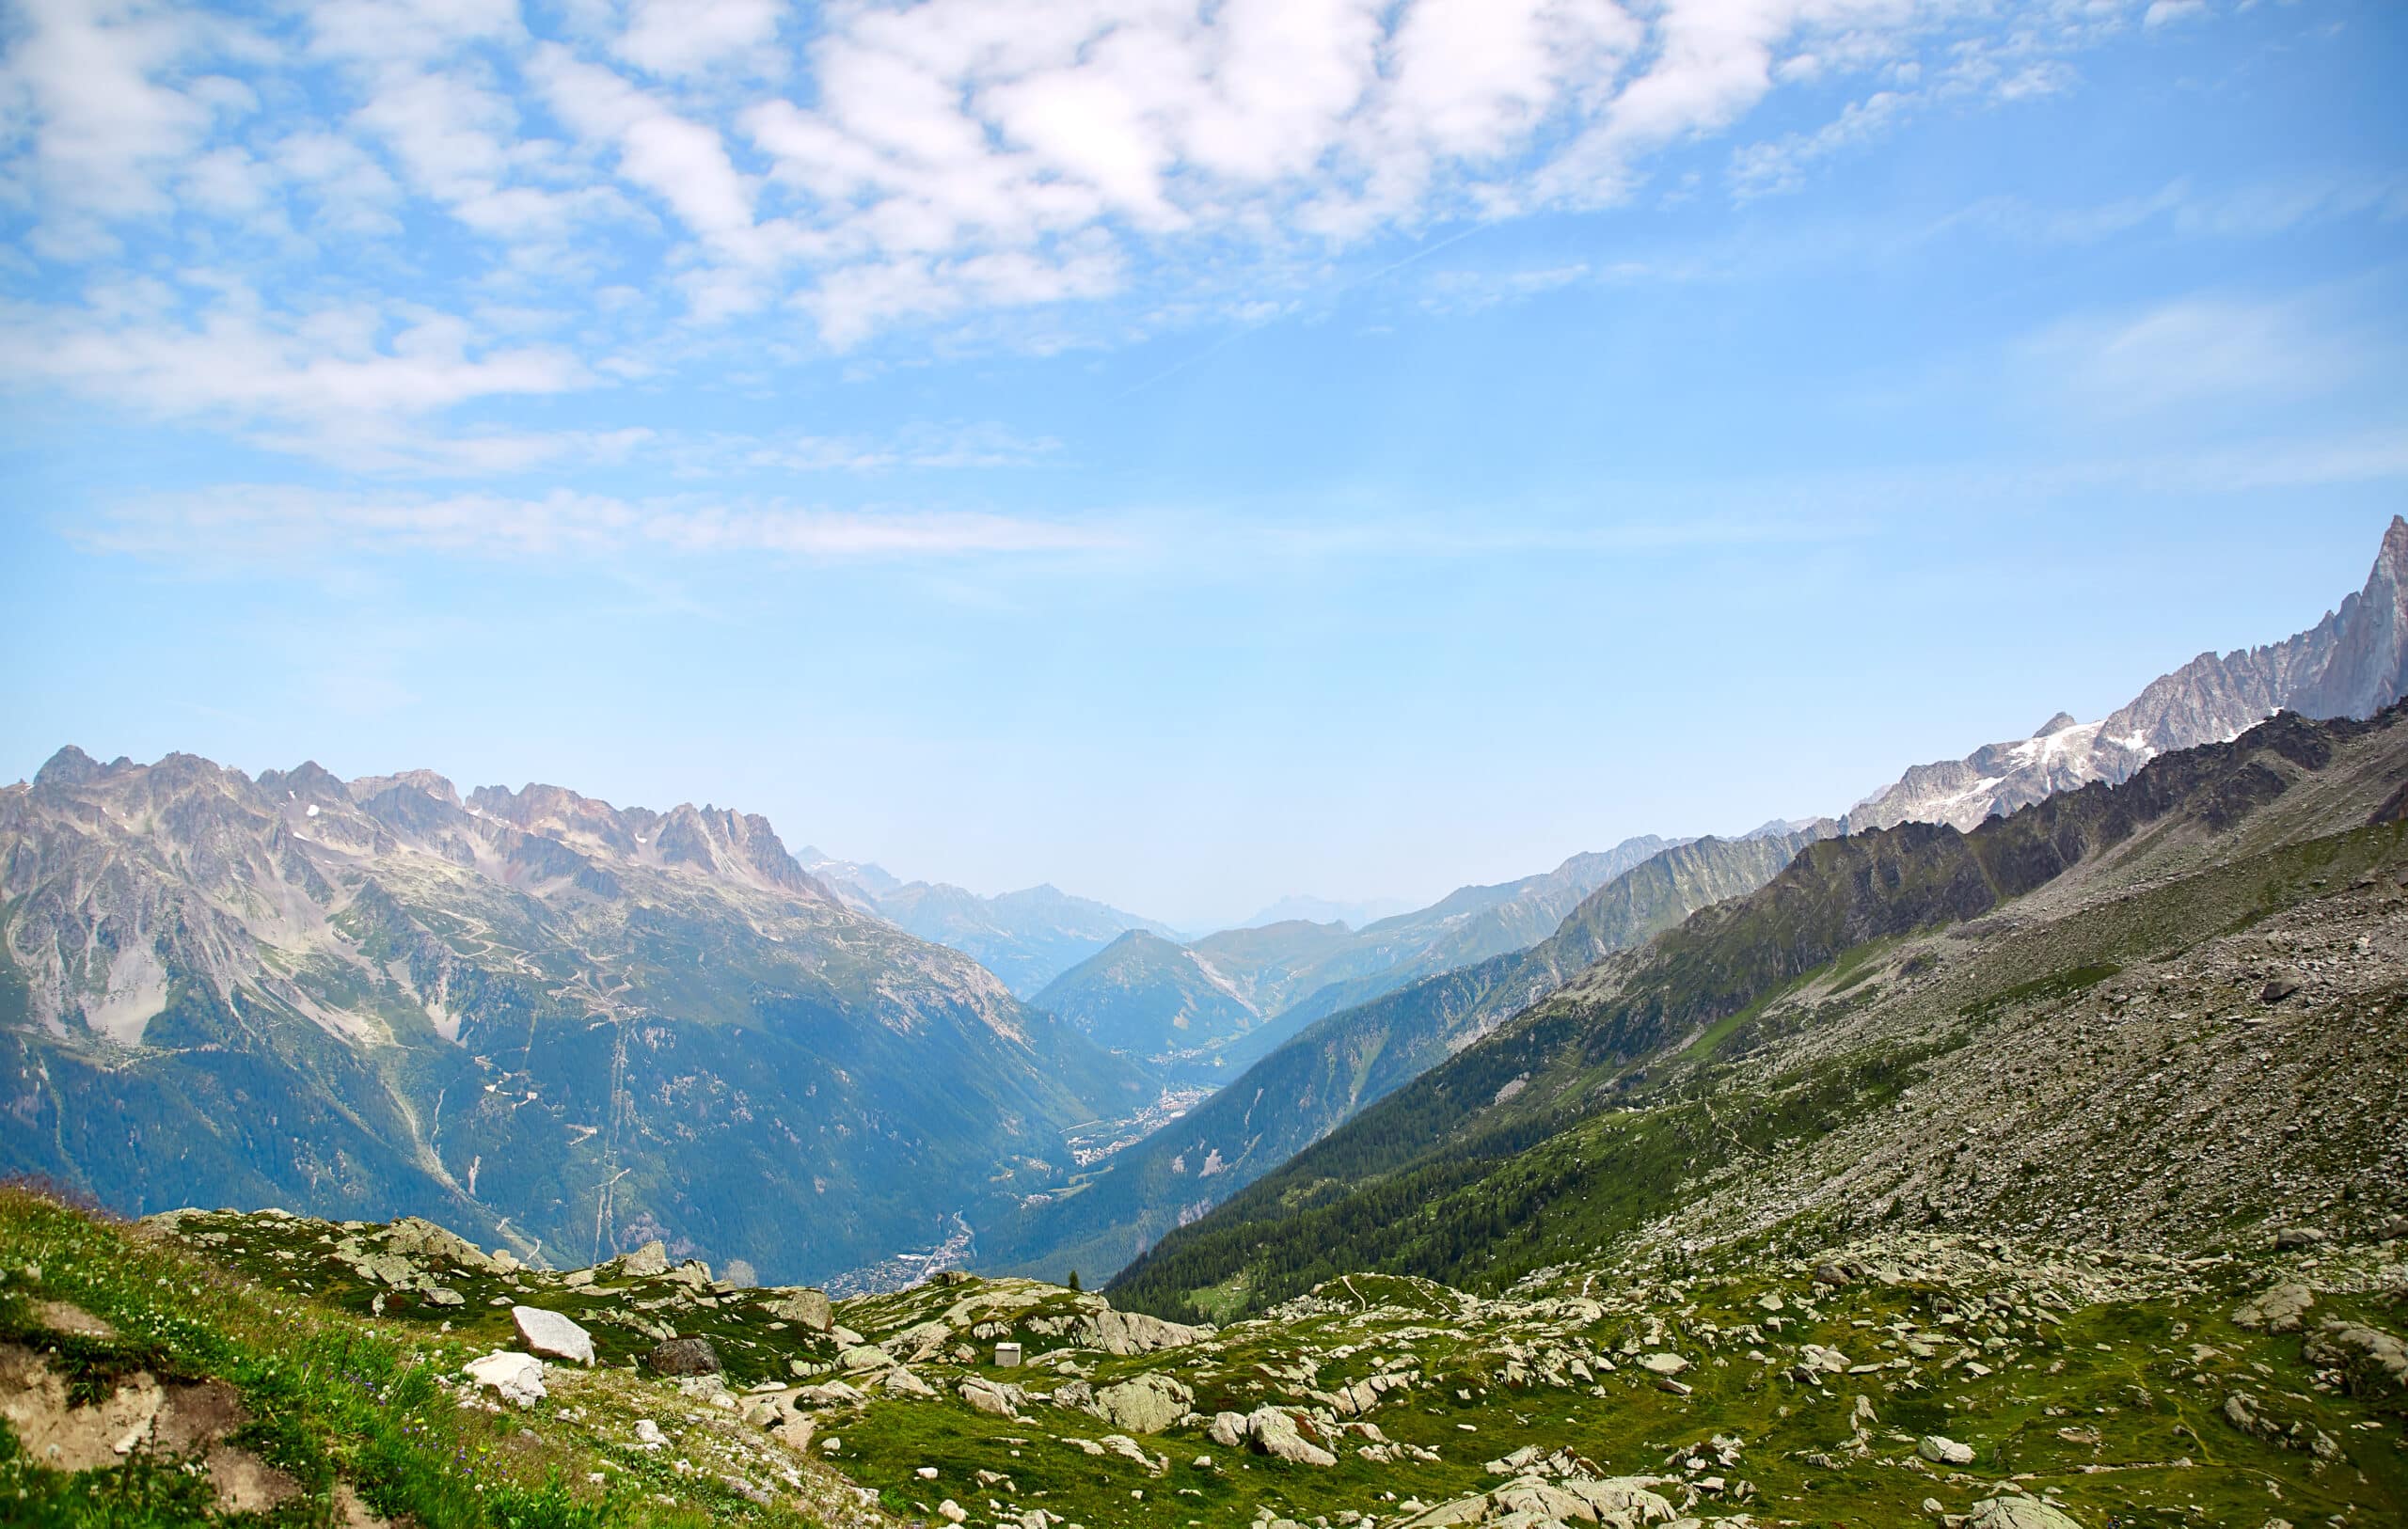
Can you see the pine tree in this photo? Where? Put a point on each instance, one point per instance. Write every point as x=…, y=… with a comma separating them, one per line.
x=1075, y=1278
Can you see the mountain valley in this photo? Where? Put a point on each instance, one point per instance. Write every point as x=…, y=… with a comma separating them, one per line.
x=514, y=1159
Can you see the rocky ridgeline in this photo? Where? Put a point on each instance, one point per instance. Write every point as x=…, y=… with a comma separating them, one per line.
x=1982, y=1381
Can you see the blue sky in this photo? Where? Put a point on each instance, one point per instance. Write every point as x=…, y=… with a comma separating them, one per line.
x=1188, y=454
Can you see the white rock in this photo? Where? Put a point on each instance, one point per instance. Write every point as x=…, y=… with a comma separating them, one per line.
x=549, y=1332
x=517, y=1377
x=1941, y=1450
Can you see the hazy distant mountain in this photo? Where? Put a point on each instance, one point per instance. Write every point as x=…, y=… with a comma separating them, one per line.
x=1342, y=1063
x=1179, y=1007
x=1311, y=909
x=2353, y=663
x=528, y=1015
x=1027, y=937
x=1201, y=1010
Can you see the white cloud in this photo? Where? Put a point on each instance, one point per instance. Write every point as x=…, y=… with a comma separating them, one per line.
x=952, y=163
x=106, y=131
x=2166, y=12
x=681, y=37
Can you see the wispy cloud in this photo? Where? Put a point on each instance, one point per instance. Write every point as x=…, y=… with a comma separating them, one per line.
x=2208, y=348
x=268, y=525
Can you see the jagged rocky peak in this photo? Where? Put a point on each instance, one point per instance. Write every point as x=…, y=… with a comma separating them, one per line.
x=2353, y=663
x=70, y=766
x=425, y=782
x=559, y=812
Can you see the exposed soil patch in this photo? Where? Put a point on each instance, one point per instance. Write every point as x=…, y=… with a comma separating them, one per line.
x=175, y=1417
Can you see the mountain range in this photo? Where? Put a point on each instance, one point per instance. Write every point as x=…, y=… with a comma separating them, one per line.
x=2045, y=1176
x=1828, y=1047
x=569, y=1027
x=2349, y=664
x=564, y=1026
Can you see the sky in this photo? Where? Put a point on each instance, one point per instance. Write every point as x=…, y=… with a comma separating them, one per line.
x=1187, y=453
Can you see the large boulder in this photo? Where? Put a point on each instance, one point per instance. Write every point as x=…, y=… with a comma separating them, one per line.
x=1134, y=1332
x=650, y=1259
x=990, y=1397
x=412, y=1237
x=517, y=1377
x=809, y=1307
x=1941, y=1450
x=1633, y=1498
x=1532, y=1499
x=549, y=1332
x=2018, y=1512
x=1098, y=1326
x=1273, y=1431
x=683, y=1356
x=1148, y=1404
x=917, y=1342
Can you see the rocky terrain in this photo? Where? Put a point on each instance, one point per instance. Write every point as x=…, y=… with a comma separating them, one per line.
x=2353, y=663
x=552, y=1023
x=370, y=1375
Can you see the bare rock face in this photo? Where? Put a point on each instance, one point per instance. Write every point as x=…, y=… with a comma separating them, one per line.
x=1148, y=1404
x=2279, y=1309
x=2373, y=1363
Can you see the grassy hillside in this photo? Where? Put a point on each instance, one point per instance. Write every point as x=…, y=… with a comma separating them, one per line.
x=1854, y=1384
